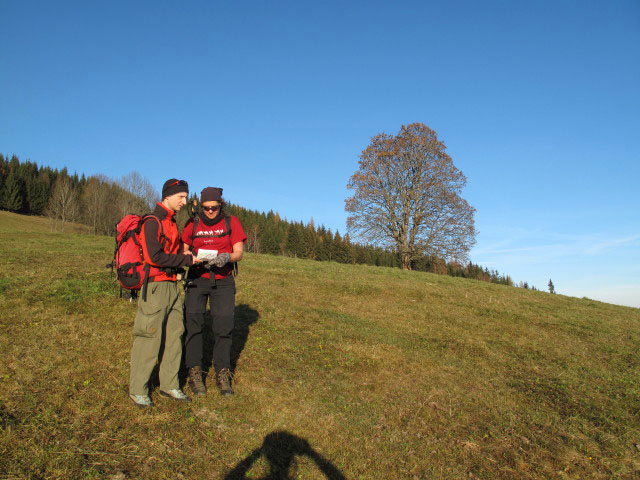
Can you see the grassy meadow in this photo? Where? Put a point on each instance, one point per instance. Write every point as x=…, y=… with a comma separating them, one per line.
x=342, y=371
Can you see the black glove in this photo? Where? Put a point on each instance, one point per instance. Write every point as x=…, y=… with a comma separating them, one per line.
x=221, y=260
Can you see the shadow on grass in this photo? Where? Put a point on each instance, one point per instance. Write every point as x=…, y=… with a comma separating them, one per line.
x=280, y=449
x=244, y=317
x=6, y=418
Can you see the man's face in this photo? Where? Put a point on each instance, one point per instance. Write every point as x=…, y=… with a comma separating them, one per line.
x=177, y=201
x=211, y=209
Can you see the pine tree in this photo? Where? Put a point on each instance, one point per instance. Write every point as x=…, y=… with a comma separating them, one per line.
x=303, y=244
x=14, y=163
x=328, y=252
x=13, y=196
x=349, y=249
x=310, y=241
x=552, y=288
x=320, y=253
x=269, y=237
x=340, y=251
x=296, y=242
x=37, y=195
x=3, y=175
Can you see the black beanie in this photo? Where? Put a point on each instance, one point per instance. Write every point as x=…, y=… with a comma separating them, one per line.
x=211, y=194
x=173, y=186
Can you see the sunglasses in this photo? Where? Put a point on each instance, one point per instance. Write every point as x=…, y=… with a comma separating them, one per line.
x=211, y=209
x=182, y=183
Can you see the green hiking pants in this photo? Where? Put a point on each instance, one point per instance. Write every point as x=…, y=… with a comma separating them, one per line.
x=161, y=311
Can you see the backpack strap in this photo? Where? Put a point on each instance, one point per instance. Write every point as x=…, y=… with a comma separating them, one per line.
x=145, y=282
x=162, y=238
x=115, y=253
x=196, y=220
x=227, y=221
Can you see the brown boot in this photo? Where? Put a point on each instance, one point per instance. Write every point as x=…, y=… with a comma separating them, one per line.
x=195, y=381
x=223, y=381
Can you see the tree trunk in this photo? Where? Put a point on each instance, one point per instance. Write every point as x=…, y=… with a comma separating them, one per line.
x=405, y=258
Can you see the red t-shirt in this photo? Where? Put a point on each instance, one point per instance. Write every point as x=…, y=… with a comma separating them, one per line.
x=207, y=240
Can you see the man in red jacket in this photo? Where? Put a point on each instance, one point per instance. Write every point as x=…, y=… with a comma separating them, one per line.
x=211, y=229
x=160, y=306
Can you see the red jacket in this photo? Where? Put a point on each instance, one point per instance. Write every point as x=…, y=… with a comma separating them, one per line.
x=213, y=237
x=161, y=247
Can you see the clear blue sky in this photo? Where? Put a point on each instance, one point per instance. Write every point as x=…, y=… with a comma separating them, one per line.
x=538, y=103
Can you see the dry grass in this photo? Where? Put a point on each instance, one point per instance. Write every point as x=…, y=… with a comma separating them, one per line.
x=13, y=222
x=342, y=371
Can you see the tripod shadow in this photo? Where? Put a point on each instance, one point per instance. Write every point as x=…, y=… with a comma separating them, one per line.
x=244, y=317
x=280, y=449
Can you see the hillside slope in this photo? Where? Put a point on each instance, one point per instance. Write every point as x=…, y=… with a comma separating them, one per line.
x=13, y=222
x=342, y=372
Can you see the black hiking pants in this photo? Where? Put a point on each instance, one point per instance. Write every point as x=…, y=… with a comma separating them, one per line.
x=223, y=298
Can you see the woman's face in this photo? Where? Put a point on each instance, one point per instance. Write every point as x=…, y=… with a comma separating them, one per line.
x=211, y=209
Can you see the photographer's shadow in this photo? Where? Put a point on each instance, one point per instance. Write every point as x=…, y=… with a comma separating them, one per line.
x=280, y=450
x=244, y=317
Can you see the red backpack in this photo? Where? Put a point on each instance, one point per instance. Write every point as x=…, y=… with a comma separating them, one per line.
x=127, y=257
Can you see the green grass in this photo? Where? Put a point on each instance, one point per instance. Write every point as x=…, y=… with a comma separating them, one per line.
x=370, y=372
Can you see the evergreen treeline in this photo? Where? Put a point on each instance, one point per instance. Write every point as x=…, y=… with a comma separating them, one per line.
x=25, y=188
x=100, y=203
x=268, y=233
x=97, y=201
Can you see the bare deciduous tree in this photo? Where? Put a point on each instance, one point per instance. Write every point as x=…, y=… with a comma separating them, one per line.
x=96, y=202
x=407, y=196
x=63, y=203
x=253, y=239
x=142, y=196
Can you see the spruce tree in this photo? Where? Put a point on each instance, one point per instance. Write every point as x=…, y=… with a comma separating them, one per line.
x=3, y=176
x=14, y=163
x=293, y=241
x=552, y=288
x=340, y=251
x=310, y=241
x=13, y=197
x=37, y=195
x=349, y=250
x=328, y=247
x=269, y=237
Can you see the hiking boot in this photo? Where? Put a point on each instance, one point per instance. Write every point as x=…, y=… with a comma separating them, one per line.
x=195, y=381
x=143, y=401
x=223, y=381
x=176, y=394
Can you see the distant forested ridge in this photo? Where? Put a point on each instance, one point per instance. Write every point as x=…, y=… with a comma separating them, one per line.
x=100, y=202
x=96, y=201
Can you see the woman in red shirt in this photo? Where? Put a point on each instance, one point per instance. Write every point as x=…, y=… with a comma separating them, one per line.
x=211, y=234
